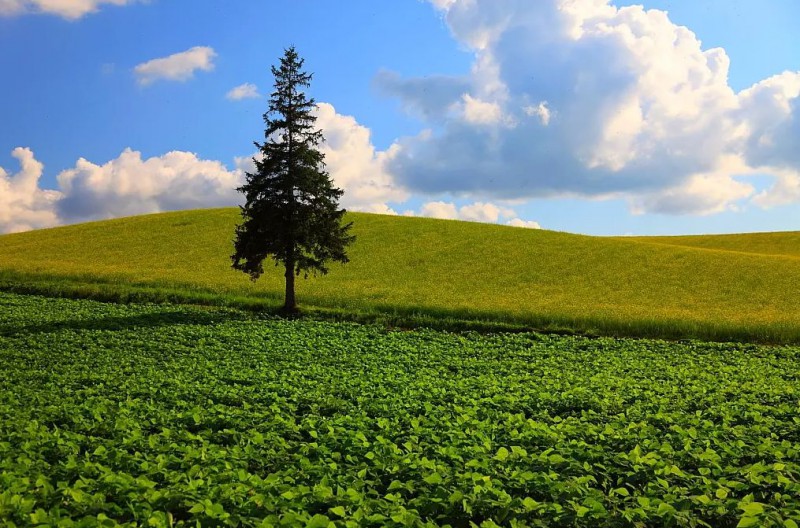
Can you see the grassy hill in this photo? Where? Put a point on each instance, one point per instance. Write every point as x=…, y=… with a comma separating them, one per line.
x=781, y=244
x=440, y=272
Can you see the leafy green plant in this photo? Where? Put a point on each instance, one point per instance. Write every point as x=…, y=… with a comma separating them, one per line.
x=144, y=415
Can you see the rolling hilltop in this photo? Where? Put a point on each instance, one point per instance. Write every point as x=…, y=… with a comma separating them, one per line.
x=418, y=270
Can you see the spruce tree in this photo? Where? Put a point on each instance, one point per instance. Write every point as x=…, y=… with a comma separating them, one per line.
x=291, y=213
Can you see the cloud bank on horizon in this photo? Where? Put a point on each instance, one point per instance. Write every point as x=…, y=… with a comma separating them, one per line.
x=565, y=98
x=130, y=185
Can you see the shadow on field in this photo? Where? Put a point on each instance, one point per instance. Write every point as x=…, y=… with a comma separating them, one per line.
x=148, y=320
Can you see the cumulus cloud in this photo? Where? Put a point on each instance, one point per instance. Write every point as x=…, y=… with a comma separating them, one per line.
x=478, y=112
x=528, y=224
x=721, y=189
x=69, y=9
x=355, y=165
x=176, y=67
x=430, y=97
x=243, y=91
x=786, y=189
x=126, y=185
x=770, y=113
x=130, y=184
x=23, y=205
x=582, y=98
x=443, y=210
x=485, y=212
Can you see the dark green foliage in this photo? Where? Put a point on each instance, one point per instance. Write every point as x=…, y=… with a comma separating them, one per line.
x=291, y=212
x=159, y=416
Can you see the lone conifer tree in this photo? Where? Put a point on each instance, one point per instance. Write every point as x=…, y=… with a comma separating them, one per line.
x=291, y=212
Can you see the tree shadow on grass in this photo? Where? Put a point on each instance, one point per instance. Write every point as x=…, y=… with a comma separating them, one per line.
x=121, y=323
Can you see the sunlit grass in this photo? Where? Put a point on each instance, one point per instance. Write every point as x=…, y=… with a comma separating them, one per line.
x=782, y=243
x=415, y=269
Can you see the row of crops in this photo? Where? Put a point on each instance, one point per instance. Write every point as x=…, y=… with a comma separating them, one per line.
x=174, y=416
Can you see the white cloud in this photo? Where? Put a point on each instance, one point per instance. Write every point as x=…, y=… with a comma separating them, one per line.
x=130, y=185
x=355, y=165
x=69, y=9
x=770, y=113
x=243, y=91
x=443, y=4
x=475, y=212
x=126, y=185
x=703, y=193
x=624, y=102
x=785, y=190
x=542, y=111
x=484, y=212
x=441, y=210
x=23, y=205
x=176, y=67
x=480, y=112
x=529, y=224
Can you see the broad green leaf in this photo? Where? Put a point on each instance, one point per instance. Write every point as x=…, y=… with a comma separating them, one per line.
x=748, y=521
x=319, y=521
x=530, y=504
x=665, y=509
x=752, y=508
x=433, y=478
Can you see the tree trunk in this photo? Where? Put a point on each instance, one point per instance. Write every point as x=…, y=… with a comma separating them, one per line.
x=290, y=303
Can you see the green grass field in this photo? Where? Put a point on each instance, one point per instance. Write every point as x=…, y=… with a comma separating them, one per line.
x=164, y=415
x=441, y=273
x=783, y=244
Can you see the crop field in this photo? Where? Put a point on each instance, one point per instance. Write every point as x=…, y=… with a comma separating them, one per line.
x=426, y=272
x=171, y=416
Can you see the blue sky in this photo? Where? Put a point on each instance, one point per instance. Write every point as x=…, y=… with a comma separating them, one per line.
x=493, y=110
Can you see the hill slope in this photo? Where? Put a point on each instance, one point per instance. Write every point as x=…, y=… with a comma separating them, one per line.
x=783, y=243
x=438, y=269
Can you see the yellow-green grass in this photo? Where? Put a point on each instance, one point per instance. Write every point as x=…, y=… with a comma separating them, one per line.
x=437, y=272
x=782, y=243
